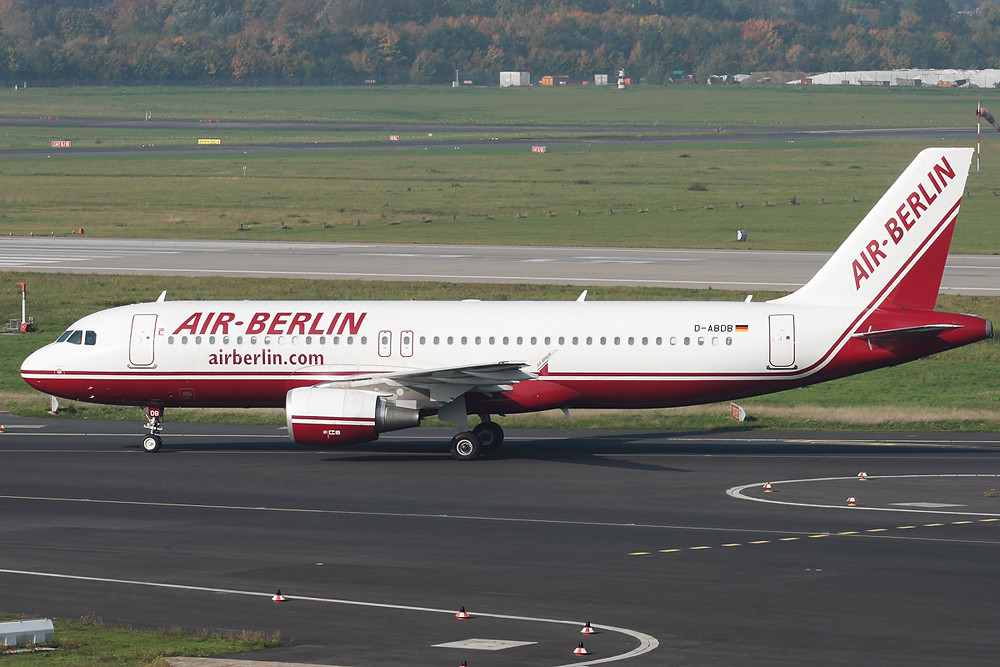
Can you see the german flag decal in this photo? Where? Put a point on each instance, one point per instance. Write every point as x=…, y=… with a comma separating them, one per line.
x=742, y=327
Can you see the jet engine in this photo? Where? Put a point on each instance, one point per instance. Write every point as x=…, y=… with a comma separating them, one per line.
x=330, y=416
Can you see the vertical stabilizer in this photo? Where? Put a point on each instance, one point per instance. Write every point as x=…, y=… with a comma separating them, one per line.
x=898, y=252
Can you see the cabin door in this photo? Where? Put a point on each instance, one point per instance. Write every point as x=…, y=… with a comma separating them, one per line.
x=140, y=346
x=782, y=348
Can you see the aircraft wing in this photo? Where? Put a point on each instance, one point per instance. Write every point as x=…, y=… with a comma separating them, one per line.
x=445, y=384
x=906, y=333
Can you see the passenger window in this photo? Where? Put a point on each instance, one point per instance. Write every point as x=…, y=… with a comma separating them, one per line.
x=90, y=338
x=75, y=337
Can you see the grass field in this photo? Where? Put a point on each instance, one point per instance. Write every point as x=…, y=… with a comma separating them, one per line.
x=956, y=390
x=677, y=196
x=87, y=642
x=685, y=195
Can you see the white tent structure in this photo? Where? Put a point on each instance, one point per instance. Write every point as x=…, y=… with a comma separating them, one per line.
x=980, y=78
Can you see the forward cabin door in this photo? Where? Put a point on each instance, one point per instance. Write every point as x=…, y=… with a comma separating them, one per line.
x=140, y=345
x=782, y=347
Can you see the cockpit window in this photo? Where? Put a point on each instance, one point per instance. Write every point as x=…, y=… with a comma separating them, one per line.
x=78, y=336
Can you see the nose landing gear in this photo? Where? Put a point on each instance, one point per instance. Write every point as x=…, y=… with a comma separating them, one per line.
x=152, y=442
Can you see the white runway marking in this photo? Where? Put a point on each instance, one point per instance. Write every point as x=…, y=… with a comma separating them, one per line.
x=647, y=642
x=737, y=492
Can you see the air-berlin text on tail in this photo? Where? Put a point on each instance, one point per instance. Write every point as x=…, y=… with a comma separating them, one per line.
x=304, y=323
x=907, y=215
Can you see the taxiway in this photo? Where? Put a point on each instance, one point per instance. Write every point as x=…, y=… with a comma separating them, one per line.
x=664, y=541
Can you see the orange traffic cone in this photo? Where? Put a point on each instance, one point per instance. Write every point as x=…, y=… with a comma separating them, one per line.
x=580, y=650
x=462, y=613
x=587, y=630
x=852, y=501
x=767, y=487
x=278, y=597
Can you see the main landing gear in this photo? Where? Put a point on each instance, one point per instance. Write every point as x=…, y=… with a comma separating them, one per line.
x=485, y=437
x=152, y=442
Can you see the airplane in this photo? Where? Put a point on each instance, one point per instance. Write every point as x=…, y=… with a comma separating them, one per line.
x=347, y=371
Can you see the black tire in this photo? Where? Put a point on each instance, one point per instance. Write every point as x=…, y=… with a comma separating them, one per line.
x=466, y=446
x=490, y=435
x=151, y=444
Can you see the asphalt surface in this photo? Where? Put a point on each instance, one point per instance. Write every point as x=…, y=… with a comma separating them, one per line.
x=665, y=542
x=530, y=134
x=720, y=269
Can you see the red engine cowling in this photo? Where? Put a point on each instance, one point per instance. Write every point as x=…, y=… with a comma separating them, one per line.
x=330, y=417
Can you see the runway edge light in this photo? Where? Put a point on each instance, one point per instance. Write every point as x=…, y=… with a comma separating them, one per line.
x=862, y=476
x=852, y=501
x=462, y=613
x=580, y=650
x=587, y=630
x=278, y=597
x=767, y=487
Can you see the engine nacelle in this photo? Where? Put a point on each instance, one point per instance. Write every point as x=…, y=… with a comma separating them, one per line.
x=330, y=417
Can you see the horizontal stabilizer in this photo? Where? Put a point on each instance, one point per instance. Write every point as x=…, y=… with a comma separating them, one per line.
x=907, y=333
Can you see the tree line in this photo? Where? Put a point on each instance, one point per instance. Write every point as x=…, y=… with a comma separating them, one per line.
x=224, y=42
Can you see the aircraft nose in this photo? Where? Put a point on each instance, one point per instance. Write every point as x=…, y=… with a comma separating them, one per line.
x=36, y=366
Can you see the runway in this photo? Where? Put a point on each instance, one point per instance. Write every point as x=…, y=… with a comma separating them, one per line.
x=665, y=542
x=719, y=269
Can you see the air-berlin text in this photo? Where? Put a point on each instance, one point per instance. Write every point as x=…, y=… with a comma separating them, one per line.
x=264, y=357
x=907, y=215
x=314, y=324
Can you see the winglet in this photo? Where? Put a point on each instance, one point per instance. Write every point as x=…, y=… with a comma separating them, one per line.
x=898, y=251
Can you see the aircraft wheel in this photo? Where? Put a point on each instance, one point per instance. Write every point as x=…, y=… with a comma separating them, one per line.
x=490, y=435
x=466, y=446
x=151, y=444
